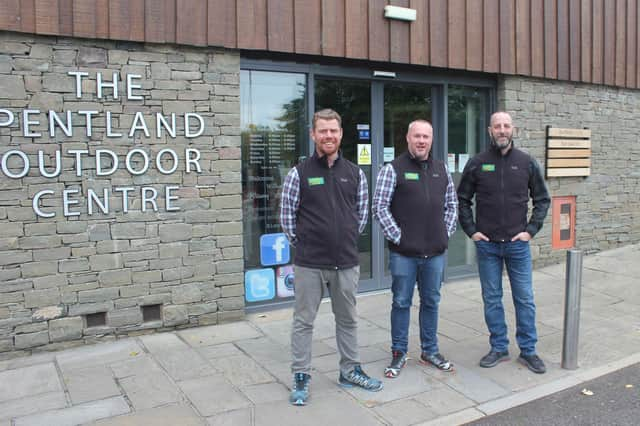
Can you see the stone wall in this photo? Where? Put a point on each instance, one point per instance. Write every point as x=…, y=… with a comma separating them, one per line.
x=179, y=253
x=608, y=201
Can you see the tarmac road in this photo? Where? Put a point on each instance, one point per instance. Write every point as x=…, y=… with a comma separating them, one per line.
x=612, y=403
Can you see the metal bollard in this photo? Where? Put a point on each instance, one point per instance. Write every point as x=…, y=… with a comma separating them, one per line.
x=572, y=309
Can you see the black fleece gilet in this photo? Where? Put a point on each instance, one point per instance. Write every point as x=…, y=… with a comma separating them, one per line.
x=418, y=206
x=327, y=221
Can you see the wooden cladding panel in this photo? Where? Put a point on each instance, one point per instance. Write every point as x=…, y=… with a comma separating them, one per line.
x=621, y=47
x=474, y=35
x=456, y=39
x=307, y=25
x=491, y=46
x=399, y=44
x=280, y=31
x=585, y=40
x=191, y=22
x=574, y=40
x=594, y=41
x=221, y=25
x=252, y=24
x=47, y=17
x=438, y=33
x=356, y=29
x=507, y=37
x=632, y=34
x=333, y=27
x=378, y=29
x=537, y=38
x=523, y=37
x=419, y=34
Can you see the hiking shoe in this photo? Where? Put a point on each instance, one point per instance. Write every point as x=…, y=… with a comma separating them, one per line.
x=300, y=389
x=398, y=360
x=493, y=358
x=436, y=360
x=357, y=377
x=533, y=363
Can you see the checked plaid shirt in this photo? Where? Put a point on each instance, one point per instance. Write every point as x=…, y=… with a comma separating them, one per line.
x=385, y=186
x=290, y=201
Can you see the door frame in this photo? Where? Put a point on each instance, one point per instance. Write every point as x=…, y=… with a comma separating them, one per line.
x=339, y=68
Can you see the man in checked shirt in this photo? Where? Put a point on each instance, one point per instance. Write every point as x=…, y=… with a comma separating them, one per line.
x=323, y=210
x=416, y=205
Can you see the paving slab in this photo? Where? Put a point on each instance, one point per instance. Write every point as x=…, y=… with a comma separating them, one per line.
x=443, y=400
x=213, y=394
x=242, y=417
x=459, y=418
x=27, y=361
x=90, y=384
x=216, y=334
x=266, y=392
x=78, y=414
x=32, y=404
x=100, y=354
x=222, y=350
x=470, y=384
x=412, y=381
x=264, y=350
x=332, y=409
x=28, y=381
x=145, y=383
x=404, y=412
x=242, y=371
x=169, y=415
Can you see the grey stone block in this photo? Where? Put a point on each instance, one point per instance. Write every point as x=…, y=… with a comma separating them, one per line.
x=100, y=262
x=187, y=293
x=126, y=231
x=98, y=295
x=65, y=329
x=15, y=257
x=73, y=265
x=115, y=278
x=41, y=298
x=39, y=269
x=125, y=317
x=30, y=328
x=52, y=254
x=12, y=86
x=174, y=232
x=90, y=308
x=175, y=315
x=94, y=57
x=99, y=232
x=30, y=340
x=173, y=250
x=112, y=246
x=48, y=313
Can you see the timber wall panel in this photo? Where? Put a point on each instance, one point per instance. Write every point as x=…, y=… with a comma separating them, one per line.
x=419, y=34
x=399, y=44
x=475, y=37
x=593, y=41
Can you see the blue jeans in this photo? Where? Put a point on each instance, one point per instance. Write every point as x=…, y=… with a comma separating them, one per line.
x=405, y=271
x=516, y=256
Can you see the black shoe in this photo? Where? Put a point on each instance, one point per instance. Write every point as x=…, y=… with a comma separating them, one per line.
x=398, y=360
x=533, y=363
x=493, y=358
x=436, y=360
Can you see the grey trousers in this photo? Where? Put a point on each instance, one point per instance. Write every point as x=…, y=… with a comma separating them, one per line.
x=342, y=285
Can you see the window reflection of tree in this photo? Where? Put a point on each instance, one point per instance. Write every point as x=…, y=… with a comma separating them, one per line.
x=262, y=181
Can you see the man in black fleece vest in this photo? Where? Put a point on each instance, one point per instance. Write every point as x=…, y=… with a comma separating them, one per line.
x=502, y=179
x=416, y=205
x=324, y=208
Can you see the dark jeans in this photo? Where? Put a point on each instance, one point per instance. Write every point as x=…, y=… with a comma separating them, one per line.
x=516, y=256
x=405, y=271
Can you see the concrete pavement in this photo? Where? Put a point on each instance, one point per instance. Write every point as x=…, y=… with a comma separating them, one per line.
x=238, y=373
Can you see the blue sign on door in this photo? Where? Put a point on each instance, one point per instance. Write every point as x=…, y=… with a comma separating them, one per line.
x=259, y=284
x=274, y=249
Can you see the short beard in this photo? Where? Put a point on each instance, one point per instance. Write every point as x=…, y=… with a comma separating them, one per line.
x=495, y=143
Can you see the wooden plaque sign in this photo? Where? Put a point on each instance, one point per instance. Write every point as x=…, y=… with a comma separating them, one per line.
x=568, y=152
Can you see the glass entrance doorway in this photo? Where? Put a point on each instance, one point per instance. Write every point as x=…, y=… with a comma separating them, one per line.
x=277, y=104
x=375, y=117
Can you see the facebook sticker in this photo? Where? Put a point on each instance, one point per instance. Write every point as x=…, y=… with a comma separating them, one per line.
x=274, y=249
x=259, y=284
